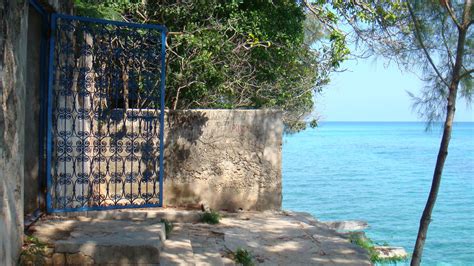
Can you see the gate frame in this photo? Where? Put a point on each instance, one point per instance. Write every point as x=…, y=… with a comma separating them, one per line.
x=49, y=105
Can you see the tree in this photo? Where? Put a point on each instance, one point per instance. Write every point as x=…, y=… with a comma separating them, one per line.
x=433, y=35
x=459, y=71
x=237, y=54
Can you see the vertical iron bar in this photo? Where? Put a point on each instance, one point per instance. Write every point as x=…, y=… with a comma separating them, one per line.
x=83, y=137
x=65, y=127
x=162, y=110
x=116, y=122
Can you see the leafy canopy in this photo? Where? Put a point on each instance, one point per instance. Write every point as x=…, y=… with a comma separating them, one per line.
x=238, y=54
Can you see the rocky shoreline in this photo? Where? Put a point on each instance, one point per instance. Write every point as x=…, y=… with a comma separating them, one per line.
x=355, y=230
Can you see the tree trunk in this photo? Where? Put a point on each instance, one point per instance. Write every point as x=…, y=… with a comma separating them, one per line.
x=448, y=127
x=442, y=155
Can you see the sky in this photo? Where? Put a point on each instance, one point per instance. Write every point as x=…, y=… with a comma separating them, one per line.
x=370, y=91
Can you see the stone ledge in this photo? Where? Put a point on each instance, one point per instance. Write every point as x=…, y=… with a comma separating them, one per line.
x=386, y=252
x=347, y=225
x=97, y=241
x=170, y=214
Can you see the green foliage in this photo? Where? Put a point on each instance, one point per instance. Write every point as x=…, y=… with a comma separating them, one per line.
x=369, y=246
x=238, y=54
x=211, y=217
x=366, y=244
x=244, y=257
x=424, y=40
x=168, y=227
x=108, y=9
x=313, y=123
x=33, y=251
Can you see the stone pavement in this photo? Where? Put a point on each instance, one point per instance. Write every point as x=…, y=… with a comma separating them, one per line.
x=273, y=238
x=291, y=238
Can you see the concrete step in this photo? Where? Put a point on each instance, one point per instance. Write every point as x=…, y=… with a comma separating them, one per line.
x=95, y=241
x=208, y=256
x=172, y=215
x=194, y=244
x=177, y=249
x=206, y=241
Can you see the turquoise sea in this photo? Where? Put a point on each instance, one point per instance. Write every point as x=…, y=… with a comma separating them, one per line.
x=381, y=172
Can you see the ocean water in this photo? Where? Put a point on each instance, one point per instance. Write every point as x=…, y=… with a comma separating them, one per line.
x=381, y=172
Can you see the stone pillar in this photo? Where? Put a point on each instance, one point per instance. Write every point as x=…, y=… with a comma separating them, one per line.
x=13, y=63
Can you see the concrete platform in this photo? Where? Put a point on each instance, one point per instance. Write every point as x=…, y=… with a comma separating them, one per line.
x=138, y=237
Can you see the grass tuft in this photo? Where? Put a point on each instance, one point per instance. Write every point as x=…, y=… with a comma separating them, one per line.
x=211, y=217
x=244, y=257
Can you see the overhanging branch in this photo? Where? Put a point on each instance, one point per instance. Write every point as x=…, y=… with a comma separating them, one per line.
x=425, y=50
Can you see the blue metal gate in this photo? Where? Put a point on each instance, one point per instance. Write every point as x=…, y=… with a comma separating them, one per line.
x=105, y=109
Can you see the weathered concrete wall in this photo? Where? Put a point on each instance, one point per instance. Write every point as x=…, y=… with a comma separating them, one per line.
x=227, y=159
x=32, y=97
x=13, y=40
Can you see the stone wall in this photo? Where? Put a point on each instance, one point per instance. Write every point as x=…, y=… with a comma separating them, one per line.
x=18, y=117
x=13, y=40
x=226, y=159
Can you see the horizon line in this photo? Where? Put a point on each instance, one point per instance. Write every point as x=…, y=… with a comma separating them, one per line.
x=388, y=121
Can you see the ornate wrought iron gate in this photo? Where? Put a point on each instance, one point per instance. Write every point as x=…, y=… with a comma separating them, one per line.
x=105, y=109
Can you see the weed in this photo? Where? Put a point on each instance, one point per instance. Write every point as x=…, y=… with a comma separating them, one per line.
x=168, y=227
x=211, y=217
x=243, y=257
x=33, y=251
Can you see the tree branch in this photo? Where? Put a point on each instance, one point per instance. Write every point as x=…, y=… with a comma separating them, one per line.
x=451, y=14
x=420, y=41
x=317, y=14
x=466, y=15
x=443, y=35
x=466, y=73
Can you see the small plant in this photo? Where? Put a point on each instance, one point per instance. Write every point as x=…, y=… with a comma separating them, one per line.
x=243, y=257
x=366, y=244
x=211, y=217
x=33, y=251
x=369, y=246
x=168, y=227
x=391, y=260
